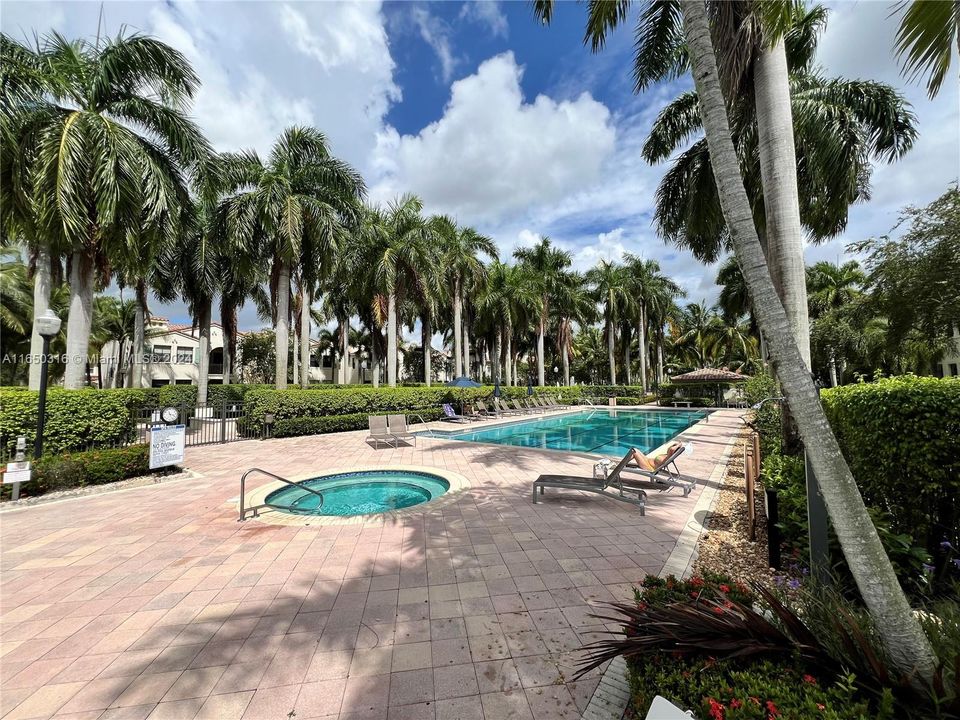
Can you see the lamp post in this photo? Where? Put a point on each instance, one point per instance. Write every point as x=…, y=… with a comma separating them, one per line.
x=48, y=325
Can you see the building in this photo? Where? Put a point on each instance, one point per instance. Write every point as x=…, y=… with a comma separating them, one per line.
x=949, y=365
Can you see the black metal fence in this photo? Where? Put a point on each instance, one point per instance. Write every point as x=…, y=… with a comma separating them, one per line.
x=206, y=424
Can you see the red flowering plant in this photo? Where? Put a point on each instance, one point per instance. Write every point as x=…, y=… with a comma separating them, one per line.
x=705, y=586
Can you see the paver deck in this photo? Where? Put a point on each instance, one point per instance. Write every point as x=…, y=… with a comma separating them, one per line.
x=156, y=603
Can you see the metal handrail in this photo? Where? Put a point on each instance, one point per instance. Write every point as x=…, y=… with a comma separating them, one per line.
x=243, y=483
x=429, y=430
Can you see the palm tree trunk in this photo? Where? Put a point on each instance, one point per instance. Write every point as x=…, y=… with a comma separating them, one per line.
x=626, y=354
x=643, y=345
x=79, y=320
x=660, y=357
x=203, y=320
x=457, y=331
x=374, y=356
x=778, y=171
x=466, y=350
x=541, y=374
x=566, y=366
x=902, y=635
x=495, y=364
x=392, y=340
x=295, y=325
x=833, y=368
x=228, y=323
x=611, y=341
x=282, y=345
x=345, y=352
x=139, y=333
x=426, y=333
x=305, y=338
x=118, y=372
x=508, y=356
x=42, y=284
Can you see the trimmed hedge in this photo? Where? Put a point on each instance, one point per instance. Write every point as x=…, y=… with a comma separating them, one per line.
x=93, y=467
x=75, y=419
x=290, y=427
x=178, y=395
x=901, y=437
x=234, y=392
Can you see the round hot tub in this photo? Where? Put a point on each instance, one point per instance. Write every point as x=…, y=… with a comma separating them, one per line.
x=364, y=492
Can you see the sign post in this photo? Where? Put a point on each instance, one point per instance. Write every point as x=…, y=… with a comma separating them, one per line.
x=18, y=471
x=167, y=445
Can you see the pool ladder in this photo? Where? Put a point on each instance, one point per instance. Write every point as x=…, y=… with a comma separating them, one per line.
x=255, y=510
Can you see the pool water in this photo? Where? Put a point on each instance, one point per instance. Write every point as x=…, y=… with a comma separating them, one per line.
x=599, y=431
x=359, y=493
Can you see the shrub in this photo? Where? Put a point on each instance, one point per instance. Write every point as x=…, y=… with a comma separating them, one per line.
x=741, y=690
x=606, y=391
x=899, y=436
x=75, y=419
x=137, y=399
x=178, y=395
x=655, y=590
x=290, y=427
x=93, y=467
x=767, y=420
x=232, y=393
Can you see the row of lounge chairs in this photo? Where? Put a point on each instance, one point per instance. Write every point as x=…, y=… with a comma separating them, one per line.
x=532, y=404
x=626, y=482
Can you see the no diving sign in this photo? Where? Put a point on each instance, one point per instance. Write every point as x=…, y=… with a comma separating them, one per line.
x=167, y=445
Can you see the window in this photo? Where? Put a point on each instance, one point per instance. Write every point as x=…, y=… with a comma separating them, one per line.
x=953, y=368
x=161, y=353
x=326, y=361
x=184, y=356
x=184, y=382
x=158, y=383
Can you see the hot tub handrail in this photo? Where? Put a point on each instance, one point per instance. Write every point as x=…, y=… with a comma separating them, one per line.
x=243, y=483
x=429, y=430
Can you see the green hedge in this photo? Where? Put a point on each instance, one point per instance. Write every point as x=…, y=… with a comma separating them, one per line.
x=93, y=467
x=75, y=420
x=232, y=393
x=290, y=427
x=178, y=395
x=901, y=437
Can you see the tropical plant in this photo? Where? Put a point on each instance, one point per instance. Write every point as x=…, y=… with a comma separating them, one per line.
x=573, y=304
x=546, y=266
x=292, y=206
x=611, y=288
x=871, y=568
x=114, y=320
x=96, y=181
x=929, y=30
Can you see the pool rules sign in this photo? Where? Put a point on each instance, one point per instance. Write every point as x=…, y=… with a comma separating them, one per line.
x=167, y=445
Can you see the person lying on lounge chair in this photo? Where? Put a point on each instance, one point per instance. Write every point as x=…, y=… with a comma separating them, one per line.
x=647, y=463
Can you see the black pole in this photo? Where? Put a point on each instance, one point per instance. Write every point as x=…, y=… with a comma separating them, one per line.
x=42, y=405
x=773, y=532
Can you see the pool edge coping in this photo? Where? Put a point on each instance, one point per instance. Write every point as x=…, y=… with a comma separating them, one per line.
x=458, y=484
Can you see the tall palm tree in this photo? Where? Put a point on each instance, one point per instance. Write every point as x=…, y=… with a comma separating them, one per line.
x=508, y=293
x=648, y=286
x=114, y=320
x=573, y=304
x=108, y=123
x=294, y=201
x=832, y=286
x=461, y=248
x=909, y=648
x=697, y=334
x=546, y=264
x=611, y=289
x=929, y=30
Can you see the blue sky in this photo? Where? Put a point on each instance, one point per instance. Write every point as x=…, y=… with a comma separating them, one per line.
x=513, y=127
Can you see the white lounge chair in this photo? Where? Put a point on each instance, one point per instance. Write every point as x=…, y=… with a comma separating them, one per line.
x=399, y=430
x=379, y=432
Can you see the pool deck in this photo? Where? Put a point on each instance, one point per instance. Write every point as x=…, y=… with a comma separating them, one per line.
x=155, y=602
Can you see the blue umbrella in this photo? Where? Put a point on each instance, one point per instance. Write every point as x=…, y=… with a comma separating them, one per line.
x=463, y=382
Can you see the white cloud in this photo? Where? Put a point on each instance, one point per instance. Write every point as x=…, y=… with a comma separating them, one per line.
x=609, y=246
x=436, y=33
x=492, y=153
x=486, y=12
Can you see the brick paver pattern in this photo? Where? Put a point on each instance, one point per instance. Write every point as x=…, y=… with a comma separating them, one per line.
x=156, y=603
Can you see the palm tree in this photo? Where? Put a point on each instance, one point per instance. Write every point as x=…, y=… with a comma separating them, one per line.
x=648, y=285
x=909, y=648
x=611, y=289
x=572, y=304
x=832, y=286
x=929, y=29
x=461, y=247
x=507, y=294
x=97, y=179
x=546, y=264
x=697, y=334
x=114, y=320
x=292, y=204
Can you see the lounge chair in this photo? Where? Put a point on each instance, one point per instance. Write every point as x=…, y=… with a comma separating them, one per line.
x=538, y=403
x=664, y=476
x=532, y=406
x=484, y=410
x=399, y=430
x=450, y=416
x=379, y=432
x=520, y=408
x=609, y=485
x=504, y=408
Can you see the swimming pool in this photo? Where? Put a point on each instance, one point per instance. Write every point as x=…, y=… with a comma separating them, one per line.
x=358, y=493
x=601, y=431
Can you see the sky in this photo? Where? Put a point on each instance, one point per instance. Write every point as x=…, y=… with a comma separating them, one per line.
x=513, y=127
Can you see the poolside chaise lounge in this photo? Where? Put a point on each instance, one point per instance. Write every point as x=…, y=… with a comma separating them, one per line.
x=449, y=415
x=483, y=410
x=610, y=485
x=379, y=433
x=399, y=430
x=664, y=476
x=504, y=408
x=531, y=406
x=520, y=408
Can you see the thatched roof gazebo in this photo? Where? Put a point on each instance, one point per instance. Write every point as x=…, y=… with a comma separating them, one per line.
x=702, y=384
